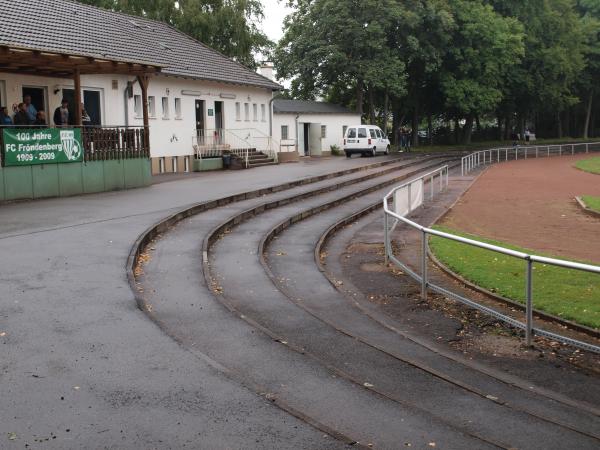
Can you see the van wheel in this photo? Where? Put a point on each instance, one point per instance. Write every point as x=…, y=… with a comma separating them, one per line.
x=374, y=152
x=387, y=150
x=348, y=155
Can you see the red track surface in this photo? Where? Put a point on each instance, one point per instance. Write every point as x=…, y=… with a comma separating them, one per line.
x=531, y=203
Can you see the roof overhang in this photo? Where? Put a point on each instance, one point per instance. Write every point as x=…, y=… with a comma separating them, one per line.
x=40, y=62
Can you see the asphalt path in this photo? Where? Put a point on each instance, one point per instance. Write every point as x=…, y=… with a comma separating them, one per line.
x=82, y=367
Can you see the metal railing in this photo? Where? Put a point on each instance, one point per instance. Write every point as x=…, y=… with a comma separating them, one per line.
x=217, y=142
x=529, y=259
x=496, y=155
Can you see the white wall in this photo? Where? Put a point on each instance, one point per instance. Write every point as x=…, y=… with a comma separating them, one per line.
x=168, y=136
x=173, y=136
x=333, y=122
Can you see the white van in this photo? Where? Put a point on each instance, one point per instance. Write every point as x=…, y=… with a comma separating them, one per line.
x=366, y=140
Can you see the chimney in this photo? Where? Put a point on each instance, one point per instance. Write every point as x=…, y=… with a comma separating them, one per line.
x=267, y=70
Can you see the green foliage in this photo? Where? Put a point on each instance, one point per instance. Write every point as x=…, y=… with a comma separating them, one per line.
x=336, y=151
x=592, y=202
x=570, y=294
x=591, y=165
x=513, y=63
x=229, y=26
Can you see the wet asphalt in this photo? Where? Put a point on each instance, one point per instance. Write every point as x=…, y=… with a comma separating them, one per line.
x=82, y=367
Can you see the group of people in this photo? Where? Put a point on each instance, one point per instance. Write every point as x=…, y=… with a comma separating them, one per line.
x=25, y=114
x=405, y=139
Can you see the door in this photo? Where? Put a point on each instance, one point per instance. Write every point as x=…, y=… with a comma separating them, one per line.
x=306, y=139
x=219, y=121
x=91, y=102
x=200, y=128
x=315, y=139
x=38, y=97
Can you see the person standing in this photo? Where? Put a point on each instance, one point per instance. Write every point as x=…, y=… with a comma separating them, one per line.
x=30, y=109
x=5, y=117
x=21, y=117
x=62, y=115
x=40, y=118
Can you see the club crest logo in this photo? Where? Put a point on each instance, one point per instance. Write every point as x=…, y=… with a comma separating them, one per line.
x=71, y=148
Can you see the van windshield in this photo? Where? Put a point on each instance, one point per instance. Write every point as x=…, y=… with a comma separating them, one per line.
x=373, y=134
x=362, y=132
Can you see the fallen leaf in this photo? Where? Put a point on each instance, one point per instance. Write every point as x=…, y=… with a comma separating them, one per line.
x=12, y=436
x=369, y=385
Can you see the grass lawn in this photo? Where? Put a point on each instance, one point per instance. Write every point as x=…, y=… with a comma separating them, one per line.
x=591, y=202
x=591, y=165
x=570, y=294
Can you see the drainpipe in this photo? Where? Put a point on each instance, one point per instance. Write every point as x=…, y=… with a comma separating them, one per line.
x=271, y=114
x=126, y=100
x=297, y=136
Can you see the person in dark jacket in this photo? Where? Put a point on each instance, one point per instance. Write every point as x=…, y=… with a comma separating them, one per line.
x=62, y=115
x=40, y=118
x=5, y=117
x=21, y=116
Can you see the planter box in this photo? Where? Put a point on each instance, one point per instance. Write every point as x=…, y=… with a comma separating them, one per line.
x=284, y=157
x=207, y=164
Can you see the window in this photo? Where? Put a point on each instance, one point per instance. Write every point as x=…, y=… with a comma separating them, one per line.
x=246, y=112
x=378, y=132
x=352, y=133
x=372, y=133
x=263, y=113
x=284, y=132
x=137, y=105
x=165, y=107
x=255, y=112
x=362, y=133
x=174, y=164
x=344, y=128
x=161, y=164
x=178, y=108
x=152, y=106
x=238, y=111
x=323, y=131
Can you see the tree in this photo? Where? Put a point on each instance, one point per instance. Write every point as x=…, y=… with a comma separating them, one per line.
x=229, y=26
x=330, y=44
x=485, y=47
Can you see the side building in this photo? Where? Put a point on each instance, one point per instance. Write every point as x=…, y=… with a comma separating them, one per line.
x=310, y=127
x=132, y=73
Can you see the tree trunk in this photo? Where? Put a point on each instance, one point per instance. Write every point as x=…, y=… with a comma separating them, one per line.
x=371, y=106
x=560, y=127
x=468, y=129
x=430, y=128
x=415, y=125
x=456, y=131
x=360, y=92
x=395, y=127
x=386, y=105
x=588, y=114
x=500, y=134
x=567, y=127
x=507, y=130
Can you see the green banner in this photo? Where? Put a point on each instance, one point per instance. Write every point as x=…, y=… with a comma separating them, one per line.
x=26, y=146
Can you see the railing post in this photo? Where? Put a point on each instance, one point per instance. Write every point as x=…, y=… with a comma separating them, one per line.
x=409, y=191
x=572, y=149
x=587, y=148
x=386, y=236
x=529, y=304
x=424, y=266
x=431, y=186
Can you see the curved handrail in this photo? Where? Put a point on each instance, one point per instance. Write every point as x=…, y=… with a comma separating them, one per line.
x=489, y=156
x=528, y=258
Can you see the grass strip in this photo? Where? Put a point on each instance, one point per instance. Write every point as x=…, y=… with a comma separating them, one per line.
x=591, y=165
x=567, y=293
x=591, y=202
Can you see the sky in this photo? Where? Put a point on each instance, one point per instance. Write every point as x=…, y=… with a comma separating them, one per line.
x=275, y=11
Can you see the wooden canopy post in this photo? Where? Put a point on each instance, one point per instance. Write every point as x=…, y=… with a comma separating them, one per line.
x=144, y=80
x=78, y=111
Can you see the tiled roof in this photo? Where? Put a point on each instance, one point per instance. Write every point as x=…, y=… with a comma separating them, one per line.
x=65, y=26
x=281, y=106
